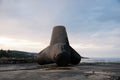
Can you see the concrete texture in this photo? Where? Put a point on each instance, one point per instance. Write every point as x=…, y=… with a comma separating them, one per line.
x=59, y=51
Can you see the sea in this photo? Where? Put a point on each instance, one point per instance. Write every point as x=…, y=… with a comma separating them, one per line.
x=105, y=60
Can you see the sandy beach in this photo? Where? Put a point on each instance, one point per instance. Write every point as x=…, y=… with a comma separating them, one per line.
x=83, y=71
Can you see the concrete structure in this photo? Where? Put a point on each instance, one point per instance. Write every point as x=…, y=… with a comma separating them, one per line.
x=59, y=51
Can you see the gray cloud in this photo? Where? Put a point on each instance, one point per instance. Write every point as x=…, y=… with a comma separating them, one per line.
x=29, y=18
x=91, y=24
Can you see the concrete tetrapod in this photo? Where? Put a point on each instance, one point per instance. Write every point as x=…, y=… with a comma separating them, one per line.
x=59, y=51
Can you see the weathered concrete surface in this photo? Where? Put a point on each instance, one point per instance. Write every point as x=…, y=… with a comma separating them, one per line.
x=59, y=51
x=83, y=71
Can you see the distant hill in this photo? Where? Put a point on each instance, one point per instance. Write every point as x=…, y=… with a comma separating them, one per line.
x=16, y=54
x=23, y=53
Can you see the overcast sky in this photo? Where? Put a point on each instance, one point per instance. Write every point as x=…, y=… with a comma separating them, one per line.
x=93, y=26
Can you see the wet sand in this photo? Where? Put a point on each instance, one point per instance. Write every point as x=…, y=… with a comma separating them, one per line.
x=83, y=71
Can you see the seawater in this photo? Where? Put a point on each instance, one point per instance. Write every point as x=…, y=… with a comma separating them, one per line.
x=106, y=60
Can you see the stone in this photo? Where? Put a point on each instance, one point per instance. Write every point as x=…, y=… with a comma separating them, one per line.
x=59, y=51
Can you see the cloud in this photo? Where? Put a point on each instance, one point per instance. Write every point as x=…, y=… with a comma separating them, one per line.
x=21, y=44
x=92, y=26
x=27, y=22
x=98, y=44
x=27, y=17
x=91, y=15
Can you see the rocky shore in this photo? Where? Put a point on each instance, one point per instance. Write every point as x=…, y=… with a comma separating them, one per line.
x=83, y=71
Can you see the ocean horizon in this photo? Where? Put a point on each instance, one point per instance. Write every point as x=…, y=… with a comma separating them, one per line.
x=105, y=60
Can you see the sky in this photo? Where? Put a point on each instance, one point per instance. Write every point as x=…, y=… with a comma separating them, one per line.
x=93, y=26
